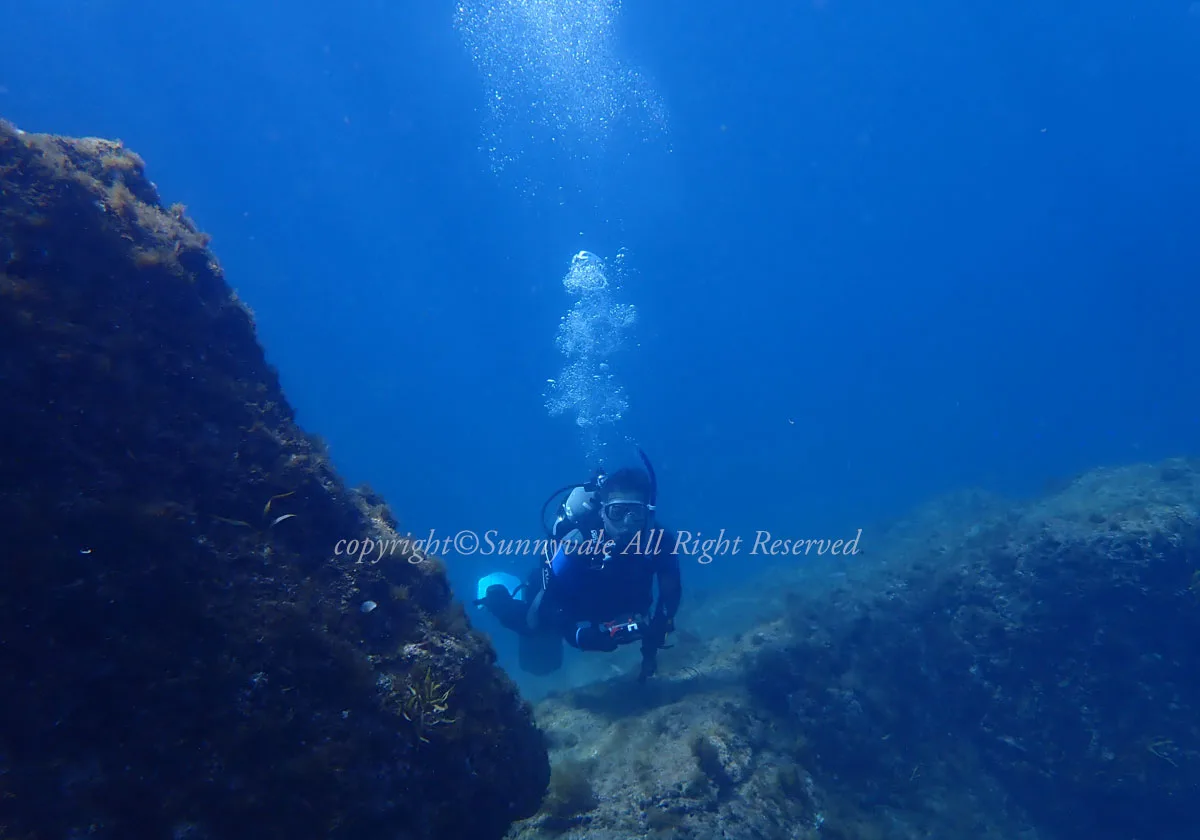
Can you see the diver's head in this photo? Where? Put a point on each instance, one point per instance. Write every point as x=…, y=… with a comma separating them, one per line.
x=625, y=502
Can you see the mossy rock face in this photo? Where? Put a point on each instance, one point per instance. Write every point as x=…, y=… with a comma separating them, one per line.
x=183, y=650
x=571, y=794
x=1000, y=637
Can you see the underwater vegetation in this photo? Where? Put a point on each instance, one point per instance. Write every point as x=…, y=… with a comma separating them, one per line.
x=181, y=651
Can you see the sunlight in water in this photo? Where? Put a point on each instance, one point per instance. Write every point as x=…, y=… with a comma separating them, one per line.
x=553, y=78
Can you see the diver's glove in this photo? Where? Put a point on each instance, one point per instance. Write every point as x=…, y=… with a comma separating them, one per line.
x=649, y=664
x=656, y=635
x=654, y=640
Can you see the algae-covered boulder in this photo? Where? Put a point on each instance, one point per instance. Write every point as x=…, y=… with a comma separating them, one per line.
x=1053, y=642
x=183, y=651
x=984, y=669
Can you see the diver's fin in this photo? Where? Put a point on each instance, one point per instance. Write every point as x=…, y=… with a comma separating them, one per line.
x=510, y=582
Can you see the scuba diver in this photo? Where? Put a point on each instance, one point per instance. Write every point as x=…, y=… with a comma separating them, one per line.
x=594, y=588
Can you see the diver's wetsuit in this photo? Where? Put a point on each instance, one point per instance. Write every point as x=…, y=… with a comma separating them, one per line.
x=598, y=604
x=584, y=591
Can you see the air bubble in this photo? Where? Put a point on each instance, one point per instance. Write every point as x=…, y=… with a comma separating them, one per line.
x=588, y=335
x=553, y=78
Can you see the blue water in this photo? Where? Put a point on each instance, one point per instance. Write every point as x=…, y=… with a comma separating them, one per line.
x=886, y=250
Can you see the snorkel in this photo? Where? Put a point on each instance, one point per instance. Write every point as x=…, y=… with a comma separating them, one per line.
x=653, y=480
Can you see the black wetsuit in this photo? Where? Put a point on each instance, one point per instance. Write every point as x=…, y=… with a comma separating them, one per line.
x=598, y=595
x=592, y=581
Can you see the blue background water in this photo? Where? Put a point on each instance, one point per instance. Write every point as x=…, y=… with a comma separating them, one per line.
x=892, y=249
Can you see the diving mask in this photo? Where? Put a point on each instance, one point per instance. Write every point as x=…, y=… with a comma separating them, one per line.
x=625, y=511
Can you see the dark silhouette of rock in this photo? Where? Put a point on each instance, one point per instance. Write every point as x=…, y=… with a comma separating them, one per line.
x=183, y=651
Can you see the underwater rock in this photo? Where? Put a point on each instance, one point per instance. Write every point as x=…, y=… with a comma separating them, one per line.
x=182, y=650
x=986, y=669
x=1051, y=644
x=692, y=755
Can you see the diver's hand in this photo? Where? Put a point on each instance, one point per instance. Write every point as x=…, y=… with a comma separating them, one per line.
x=654, y=640
x=656, y=635
x=649, y=665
